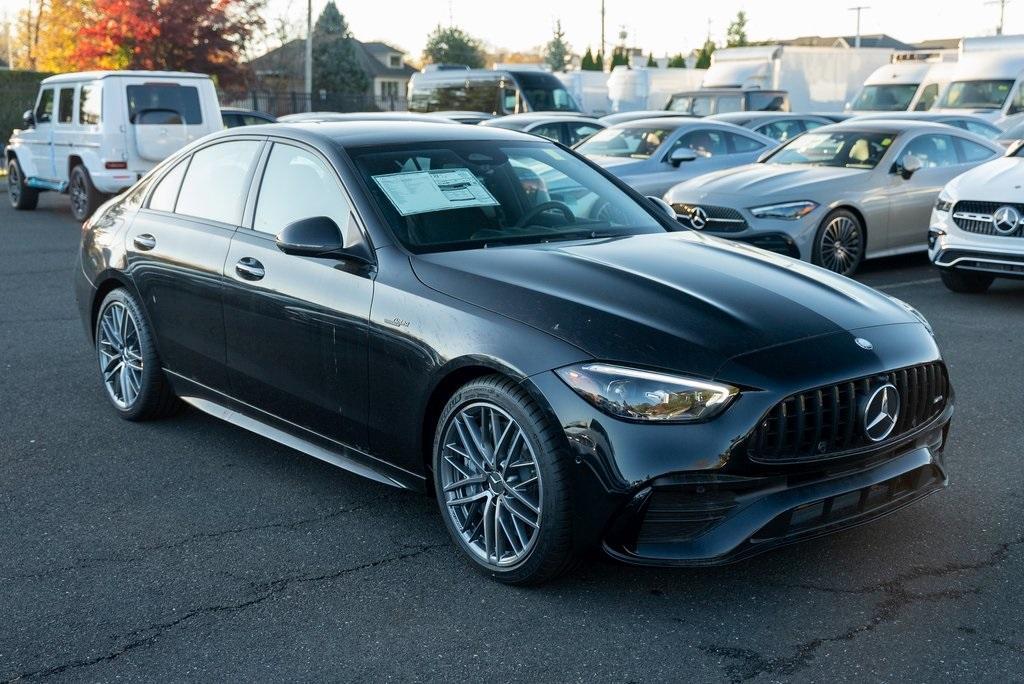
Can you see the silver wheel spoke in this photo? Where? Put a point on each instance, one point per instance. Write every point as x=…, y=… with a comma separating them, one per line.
x=465, y=482
x=467, y=499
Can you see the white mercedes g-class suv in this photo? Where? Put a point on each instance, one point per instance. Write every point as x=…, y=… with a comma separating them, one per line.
x=977, y=228
x=95, y=133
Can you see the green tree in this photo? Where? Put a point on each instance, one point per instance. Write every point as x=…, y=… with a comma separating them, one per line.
x=620, y=57
x=677, y=61
x=336, y=67
x=736, y=35
x=704, y=56
x=557, y=52
x=650, y=60
x=452, y=45
x=599, y=62
x=587, y=63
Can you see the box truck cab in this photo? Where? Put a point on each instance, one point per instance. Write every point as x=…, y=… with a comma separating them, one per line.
x=494, y=91
x=95, y=133
x=987, y=84
x=911, y=82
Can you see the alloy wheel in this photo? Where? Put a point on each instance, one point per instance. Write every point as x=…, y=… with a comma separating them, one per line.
x=120, y=354
x=13, y=183
x=491, y=484
x=79, y=195
x=840, y=245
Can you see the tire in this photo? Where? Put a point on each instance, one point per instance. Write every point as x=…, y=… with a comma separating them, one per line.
x=85, y=198
x=966, y=283
x=22, y=197
x=522, y=554
x=839, y=243
x=149, y=395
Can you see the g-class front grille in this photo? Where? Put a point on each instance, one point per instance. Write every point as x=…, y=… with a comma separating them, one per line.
x=829, y=421
x=982, y=218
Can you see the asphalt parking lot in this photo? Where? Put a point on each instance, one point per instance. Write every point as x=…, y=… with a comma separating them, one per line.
x=191, y=549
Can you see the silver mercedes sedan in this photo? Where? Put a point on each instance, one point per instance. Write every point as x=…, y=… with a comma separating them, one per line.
x=652, y=155
x=836, y=195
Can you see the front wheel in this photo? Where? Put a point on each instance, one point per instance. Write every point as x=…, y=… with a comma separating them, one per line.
x=85, y=198
x=839, y=243
x=500, y=474
x=21, y=196
x=966, y=283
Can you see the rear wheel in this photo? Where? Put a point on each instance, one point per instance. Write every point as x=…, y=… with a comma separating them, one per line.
x=500, y=474
x=129, y=366
x=84, y=195
x=839, y=243
x=966, y=283
x=20, y=195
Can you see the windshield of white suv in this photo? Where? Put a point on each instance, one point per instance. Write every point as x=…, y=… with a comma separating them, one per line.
x=976, y=94
x=471, y=194
x=634, y=142
x=849, y=149
x=885, y=98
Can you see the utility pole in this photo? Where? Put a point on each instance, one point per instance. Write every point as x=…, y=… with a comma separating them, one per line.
x=1002, y=13
x=858, y=10
x=309, y=55
x=603, y=59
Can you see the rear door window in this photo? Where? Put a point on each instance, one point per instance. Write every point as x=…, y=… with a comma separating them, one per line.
x=578, y=132
x=704, y=143
x=165, y=194
x=729, y=103
x=216, y=180
x=66, y=106
x=551, y=131
x=934, y=151
x=741, y=143
x=971, y=152
x=162, y=101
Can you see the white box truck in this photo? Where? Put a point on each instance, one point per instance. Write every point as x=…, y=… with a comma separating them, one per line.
x=912, y=81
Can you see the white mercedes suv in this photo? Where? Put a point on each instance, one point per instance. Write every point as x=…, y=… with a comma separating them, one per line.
x=976, y=232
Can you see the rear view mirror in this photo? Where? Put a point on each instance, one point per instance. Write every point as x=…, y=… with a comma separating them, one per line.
x=28, y=119
x=663, y=206
x=910, y=165
x=319, y=236
x=682, y=154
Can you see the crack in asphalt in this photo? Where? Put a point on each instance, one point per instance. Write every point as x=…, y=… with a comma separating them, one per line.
x=87, y=563
x=746, y=664
x=144, y=636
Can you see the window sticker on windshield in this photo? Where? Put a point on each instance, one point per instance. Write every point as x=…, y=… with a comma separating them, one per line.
x=420, y=192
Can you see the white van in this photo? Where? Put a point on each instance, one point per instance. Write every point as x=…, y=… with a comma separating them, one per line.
x=987, y=80
x=95, y=133
x=912, y=82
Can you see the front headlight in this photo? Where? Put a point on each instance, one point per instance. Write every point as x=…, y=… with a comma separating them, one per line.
x=643, y=395
x=944, y=202
x=790, y=211
x=915, y=313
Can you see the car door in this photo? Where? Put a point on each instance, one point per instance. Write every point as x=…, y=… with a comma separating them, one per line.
x=41, y=140
x=912, y=199
x=296, y=327
x=176, y=249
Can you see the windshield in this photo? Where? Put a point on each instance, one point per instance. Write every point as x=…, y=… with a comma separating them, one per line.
x=680, y=103
x=545, y=93
x=976, y=94
x=633, y=142
x=467, y=195
x=849, y=149
x=886, y=98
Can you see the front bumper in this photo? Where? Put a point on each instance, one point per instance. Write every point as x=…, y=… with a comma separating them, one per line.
x=790, y=238
x=951, y=248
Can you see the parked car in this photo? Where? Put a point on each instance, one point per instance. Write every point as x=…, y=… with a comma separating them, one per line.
x=977, y=225
x=626, y=117
x=95, y=133
x=707, y=101
x=974, y=124
x=779, y=126
x=471, y=118
x=233, y=117
x=838, y=194
x=567, y=130
x=989, y=84
x=1012, y=134
x=306, y=117
x=652, y=155
x=534, y=365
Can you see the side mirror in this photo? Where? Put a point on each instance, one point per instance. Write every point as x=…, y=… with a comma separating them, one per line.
x=680, y=155
x=1013, y=148
x=663, y=206
x=319, y=236
x=910, y=165
x=28, y=119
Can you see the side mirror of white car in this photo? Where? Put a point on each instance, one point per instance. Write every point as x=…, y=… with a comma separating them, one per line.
x=910, y=165
x=663, y=206
x=28, y=119
x=682, y=154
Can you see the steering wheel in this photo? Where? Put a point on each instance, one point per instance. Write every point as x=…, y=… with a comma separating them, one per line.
x=543, y=207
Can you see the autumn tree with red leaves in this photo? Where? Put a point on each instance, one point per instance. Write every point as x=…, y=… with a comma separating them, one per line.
x=205, y=36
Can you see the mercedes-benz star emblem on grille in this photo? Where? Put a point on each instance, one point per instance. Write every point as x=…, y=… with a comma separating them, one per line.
x=863, y=344
x=698, y=218
x=881, y=412
x=1005, y=220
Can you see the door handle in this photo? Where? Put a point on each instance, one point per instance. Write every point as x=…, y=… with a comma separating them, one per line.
x=248, y=268
x=145, y=242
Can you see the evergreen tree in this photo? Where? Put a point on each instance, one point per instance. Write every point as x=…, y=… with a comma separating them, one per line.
x=704, y=56
x=620, y=56
x=736, y=35
x=557, y=53
x=587, y=63
x=650, y=60
x=336, y=68
x=677, y=61
x=452, y=45
x=599, y=62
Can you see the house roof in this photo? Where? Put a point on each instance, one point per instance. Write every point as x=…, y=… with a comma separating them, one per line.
x=373, y=58
x=939, y=44
x=289, y=59
x=867, y=40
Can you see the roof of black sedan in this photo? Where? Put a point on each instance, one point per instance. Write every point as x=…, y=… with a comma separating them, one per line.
x=362, y=133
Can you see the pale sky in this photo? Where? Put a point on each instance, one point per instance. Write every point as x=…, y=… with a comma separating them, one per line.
x=661, y=26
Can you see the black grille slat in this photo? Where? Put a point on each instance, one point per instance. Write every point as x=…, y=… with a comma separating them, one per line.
x=719, y=219
x=825, y=421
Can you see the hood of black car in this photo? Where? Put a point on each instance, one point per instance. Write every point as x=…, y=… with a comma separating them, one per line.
x=677, y=301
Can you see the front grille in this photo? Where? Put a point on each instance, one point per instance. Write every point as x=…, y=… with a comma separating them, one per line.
x=977, y=217
x=719, y=219
x=827, y=422
x=677, y=516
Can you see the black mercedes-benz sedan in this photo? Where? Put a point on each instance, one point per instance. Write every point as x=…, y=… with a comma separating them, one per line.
x=485, y=315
